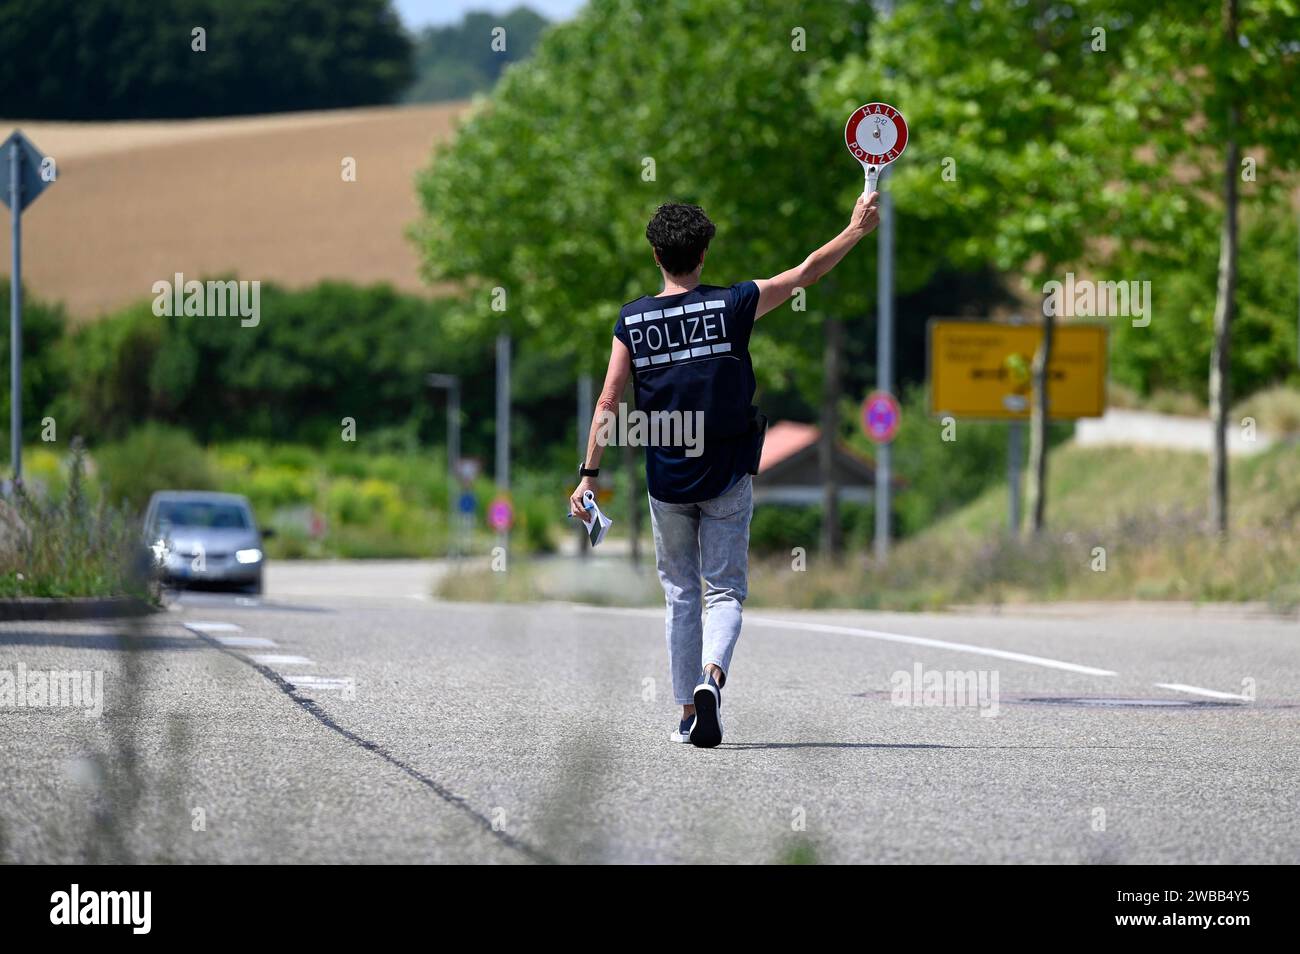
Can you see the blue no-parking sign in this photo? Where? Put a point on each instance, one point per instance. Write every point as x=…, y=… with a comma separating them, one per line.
x=881, y=416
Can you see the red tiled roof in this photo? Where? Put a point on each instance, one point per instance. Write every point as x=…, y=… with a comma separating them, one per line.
x=784, y=439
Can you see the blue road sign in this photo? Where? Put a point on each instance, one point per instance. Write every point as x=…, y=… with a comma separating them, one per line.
x=24, y=178
x=30, y=181
x=466, y=503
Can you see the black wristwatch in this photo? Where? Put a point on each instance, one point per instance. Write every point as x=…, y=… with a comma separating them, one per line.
x=585, y=471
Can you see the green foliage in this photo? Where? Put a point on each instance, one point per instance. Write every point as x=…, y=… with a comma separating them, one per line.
x=1173, y=352
x=1155, y=547
x=152, y=458
x=778, y=528
x=1093, y=134
x=1001, y=100
x=539, y=524
x=1276, y=411
x=941, y=476
x=1095, y=486
x=1180, y=74
x=316, y=356
x=133, y=59
x=453, y=62
x=938, y=477
x=378, y=504
x=66, y=545
x=1050, y=144
x=798, y=850
x=44, y=474
x=44, y=374
x=114, y=359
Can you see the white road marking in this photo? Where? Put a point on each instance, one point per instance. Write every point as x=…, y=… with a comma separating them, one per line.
x=893, y=638
x=278, y=659
x=1197, y=690
x=319, y=682
x=246, y=642
x=934, y=644
x=205, y=626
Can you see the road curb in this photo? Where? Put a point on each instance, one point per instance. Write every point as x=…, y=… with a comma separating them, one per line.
x=54, y=608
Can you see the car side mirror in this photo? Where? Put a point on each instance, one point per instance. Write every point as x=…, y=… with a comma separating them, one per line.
x=268, y=533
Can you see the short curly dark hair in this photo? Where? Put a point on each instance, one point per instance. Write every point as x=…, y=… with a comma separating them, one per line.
x=680, y=234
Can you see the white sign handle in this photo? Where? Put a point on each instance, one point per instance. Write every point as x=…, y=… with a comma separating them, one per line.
x=873, y=176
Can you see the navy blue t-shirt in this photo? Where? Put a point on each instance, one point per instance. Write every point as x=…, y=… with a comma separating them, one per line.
x=690, y=355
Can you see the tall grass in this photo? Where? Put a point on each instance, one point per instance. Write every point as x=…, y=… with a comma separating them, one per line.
x=70, y=545
x=1167, y=556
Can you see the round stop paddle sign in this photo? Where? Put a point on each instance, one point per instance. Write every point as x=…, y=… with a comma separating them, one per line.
x=876, y=134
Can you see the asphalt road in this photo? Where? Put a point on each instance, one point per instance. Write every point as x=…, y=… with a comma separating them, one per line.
x=347, y=717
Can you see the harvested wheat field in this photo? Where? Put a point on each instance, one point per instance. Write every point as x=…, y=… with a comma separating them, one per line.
x=261, y=197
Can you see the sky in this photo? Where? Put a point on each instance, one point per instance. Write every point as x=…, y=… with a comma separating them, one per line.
x=418, y=13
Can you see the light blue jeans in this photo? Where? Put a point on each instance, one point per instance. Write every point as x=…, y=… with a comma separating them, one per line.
x=708, y=539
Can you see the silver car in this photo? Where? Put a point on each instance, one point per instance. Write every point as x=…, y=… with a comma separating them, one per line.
x=202, y=538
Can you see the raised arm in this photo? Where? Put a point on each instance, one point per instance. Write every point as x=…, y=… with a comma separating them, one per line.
x=616, y=375
x=773, y=292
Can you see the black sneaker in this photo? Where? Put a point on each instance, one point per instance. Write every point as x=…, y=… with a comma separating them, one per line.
x=706, y=732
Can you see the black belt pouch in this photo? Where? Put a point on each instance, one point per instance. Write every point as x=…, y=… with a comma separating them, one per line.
x=757, y=432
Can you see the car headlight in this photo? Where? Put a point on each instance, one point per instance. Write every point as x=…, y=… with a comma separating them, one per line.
x=251, y=555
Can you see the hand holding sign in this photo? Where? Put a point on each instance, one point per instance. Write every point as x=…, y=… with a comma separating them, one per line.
x=876, y=134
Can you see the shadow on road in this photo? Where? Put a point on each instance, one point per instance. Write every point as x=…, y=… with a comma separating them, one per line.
x=845, y=745
x=111, y=642
x=902, y=745
x=198, y=599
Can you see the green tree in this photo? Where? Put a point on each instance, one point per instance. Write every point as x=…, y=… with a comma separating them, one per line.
x=316, y=356
x=1173, y=351
x=1214, y=102
x=453, y=62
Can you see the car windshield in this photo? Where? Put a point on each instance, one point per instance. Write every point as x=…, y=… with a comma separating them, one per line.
x=202, y=513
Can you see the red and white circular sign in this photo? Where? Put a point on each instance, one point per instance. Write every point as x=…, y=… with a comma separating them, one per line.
x=876, y=134
x=881, y=417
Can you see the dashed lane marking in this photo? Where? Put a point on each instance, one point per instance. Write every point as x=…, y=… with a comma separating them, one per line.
x=289, y=685
x=317, y=682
